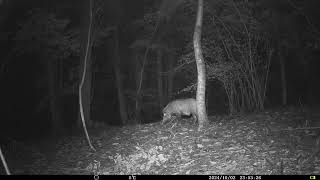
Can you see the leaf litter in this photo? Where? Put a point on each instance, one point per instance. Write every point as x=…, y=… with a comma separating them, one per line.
x=270, y=142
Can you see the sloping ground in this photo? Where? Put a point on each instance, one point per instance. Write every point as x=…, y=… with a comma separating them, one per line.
x=271, y=142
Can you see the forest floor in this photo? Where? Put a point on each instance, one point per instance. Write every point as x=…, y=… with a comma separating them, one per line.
x=277, y=141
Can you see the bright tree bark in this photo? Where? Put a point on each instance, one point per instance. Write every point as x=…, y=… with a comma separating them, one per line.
x=201, y=85
x=85, y=70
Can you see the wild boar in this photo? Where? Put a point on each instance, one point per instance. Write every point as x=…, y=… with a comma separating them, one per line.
x=180, y=107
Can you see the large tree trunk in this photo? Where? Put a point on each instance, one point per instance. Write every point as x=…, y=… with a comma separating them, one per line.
x=201, y=85
x=160, y=85
x=283, y=78
x=53, y=97
x=118, y=81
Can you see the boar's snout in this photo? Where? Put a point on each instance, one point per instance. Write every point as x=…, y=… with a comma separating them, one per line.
x=165, y=117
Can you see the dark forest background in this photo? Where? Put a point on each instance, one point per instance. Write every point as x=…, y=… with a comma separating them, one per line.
x=259, y=54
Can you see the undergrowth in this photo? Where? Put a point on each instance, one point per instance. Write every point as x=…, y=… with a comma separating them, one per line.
x=140, y=162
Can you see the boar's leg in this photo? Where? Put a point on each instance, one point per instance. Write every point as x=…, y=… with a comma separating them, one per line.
x=195, y=119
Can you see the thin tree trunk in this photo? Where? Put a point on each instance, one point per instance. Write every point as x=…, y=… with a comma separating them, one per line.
x=4, y=163
x=85, y=70
x=310, y=90
x=60, y=79
x=144, y=62
x=267, y=77
x=283, y=78
x=138, y=96
x=160, y=85
x=118, y=81
x=170, y=77
x=201, y=85
x=86, y=89
x=86, y=66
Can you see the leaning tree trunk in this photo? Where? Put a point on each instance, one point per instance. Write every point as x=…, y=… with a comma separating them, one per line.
x=87, y=81
x=201, y=85
x=118, y=81
x=85, y=71
x=160, y=85
x=283, y=78
x=4, y=163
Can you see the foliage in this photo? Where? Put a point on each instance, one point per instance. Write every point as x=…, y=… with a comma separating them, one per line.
x=44, y=32
x=238, y=41
x=234, y=48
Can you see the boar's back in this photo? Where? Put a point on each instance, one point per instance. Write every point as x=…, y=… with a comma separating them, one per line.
x=181, y=107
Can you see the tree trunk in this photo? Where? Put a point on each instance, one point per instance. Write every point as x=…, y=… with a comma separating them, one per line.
x=283, y=78
x=118, y=81
x=85, y=69
x=4, y=163
x=138, y=69
x=308, y=82
x=86, y=95
x=86, y=88
x=311, y=80
x=201, y=85
x=53, y=98
x=160, y=85
x=170, y=77
x=142, y=68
